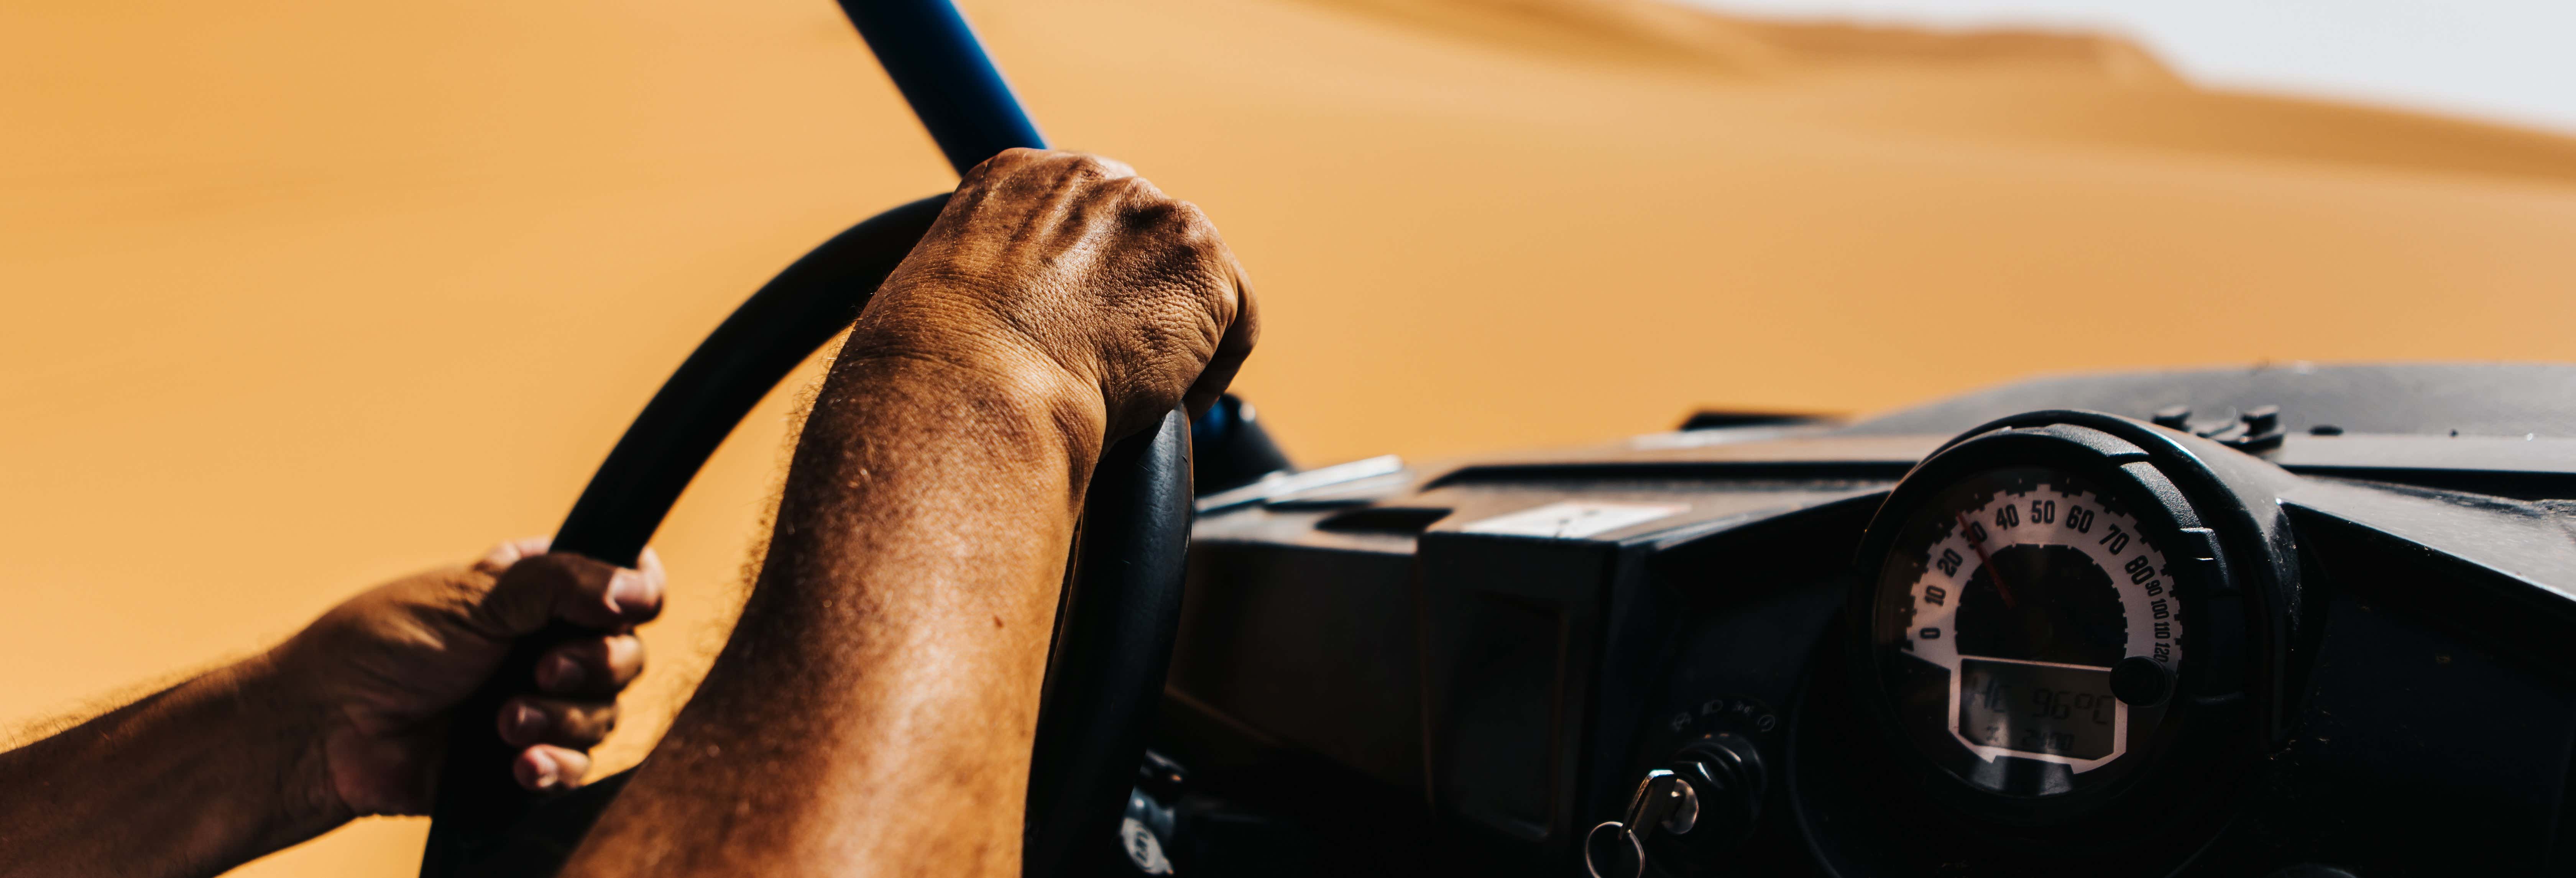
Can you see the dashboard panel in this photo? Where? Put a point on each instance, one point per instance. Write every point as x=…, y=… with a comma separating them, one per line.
x=2221, y=622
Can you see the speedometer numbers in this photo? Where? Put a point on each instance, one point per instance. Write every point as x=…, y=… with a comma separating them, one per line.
x=2005, y=605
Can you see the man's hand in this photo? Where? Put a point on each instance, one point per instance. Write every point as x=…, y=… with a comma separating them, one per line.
x=382, y=670
x=347, y=718
x=1069, y=266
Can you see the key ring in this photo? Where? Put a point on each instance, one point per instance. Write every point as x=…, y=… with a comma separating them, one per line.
x=1634, y=843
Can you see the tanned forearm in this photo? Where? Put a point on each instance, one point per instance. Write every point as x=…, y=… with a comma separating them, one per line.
x=189, y=781
x=874, y=710
x=890, y=656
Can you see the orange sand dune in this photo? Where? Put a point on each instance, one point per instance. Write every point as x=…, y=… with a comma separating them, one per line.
x=306, y=294
x=1633, y=31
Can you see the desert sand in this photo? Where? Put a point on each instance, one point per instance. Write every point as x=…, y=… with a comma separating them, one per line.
x=304, y=295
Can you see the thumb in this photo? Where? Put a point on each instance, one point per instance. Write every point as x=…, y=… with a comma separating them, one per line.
x=560, y=585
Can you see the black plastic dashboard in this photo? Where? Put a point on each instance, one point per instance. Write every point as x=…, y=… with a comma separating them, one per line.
x=2343, y=641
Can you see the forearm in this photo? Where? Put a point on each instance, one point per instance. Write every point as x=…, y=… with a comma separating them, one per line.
x=883, y=680
x=874, y=709
x=191, y=781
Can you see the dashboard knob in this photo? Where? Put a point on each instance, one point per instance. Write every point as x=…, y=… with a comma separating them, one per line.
x=2141, y=681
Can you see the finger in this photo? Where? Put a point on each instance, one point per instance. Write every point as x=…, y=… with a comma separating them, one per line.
x=502, y=556
x=596, y=666
x=1231, y=349
x=650, y=564
x=562, y=585
x=546, y=768
x=527, y=721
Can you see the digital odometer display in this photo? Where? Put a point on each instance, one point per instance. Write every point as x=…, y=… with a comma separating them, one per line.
x=2057, y=710
x=2003, y=605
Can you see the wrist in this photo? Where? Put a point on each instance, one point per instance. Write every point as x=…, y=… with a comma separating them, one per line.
x=278, y=716
x=975, y=382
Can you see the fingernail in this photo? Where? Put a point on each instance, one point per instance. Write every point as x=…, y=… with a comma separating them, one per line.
x=544, y=774
x=529, y=721
x=628, y=589
x=560, y=674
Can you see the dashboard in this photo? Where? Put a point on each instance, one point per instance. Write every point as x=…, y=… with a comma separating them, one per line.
x=2295, y=621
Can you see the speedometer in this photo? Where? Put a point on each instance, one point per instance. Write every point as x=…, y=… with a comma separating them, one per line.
x=2060, y=640
x=2028, y=629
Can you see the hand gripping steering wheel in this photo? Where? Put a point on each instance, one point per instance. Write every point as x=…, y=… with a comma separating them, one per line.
x=1121, y=604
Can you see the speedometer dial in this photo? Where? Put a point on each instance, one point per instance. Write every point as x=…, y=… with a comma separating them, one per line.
x=2048, y=653
x=2027, y=630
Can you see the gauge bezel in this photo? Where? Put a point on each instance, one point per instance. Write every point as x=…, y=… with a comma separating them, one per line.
x=2168, y=519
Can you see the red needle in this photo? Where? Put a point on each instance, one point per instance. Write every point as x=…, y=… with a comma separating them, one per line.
x=1986, y=563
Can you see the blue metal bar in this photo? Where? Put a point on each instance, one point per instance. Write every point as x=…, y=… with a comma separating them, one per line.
x=943, y=72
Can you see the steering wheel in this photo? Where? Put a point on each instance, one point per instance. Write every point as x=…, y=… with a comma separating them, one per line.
x=1121, y=604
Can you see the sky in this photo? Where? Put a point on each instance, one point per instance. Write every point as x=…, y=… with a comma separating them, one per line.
x=2499, y=60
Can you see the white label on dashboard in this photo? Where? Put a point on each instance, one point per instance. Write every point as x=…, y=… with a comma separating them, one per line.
x=1572, y=520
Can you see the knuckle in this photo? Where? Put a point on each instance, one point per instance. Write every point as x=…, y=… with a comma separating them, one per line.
x=483, y=607
x=1140, y=193
x=1128, y=183
x=551, y=569
x=1008, y=160
x=459, y=587
x=1136, y=200
x=1099, y=167
x=590, y=728
x=1182, y=225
